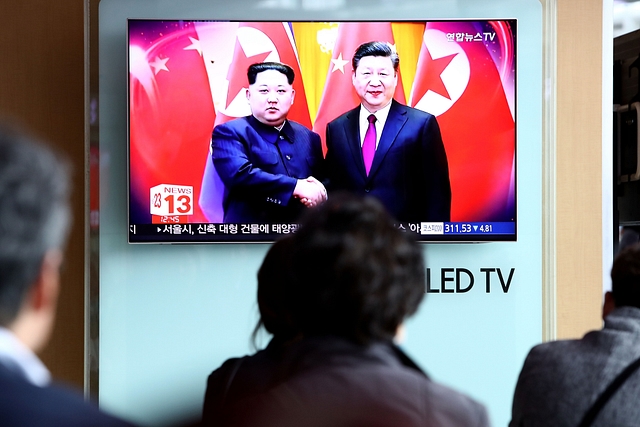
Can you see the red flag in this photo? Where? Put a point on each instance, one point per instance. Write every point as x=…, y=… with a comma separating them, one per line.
x=171, y=112
x=229, y=48
x=281, y=35
x=217, y=40
x=465, y=77
x=339, y=96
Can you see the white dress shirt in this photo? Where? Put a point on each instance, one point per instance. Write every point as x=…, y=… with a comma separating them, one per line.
x=381, y=118
x=19, y=358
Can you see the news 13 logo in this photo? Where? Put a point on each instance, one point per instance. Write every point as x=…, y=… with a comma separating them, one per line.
x=167, y=200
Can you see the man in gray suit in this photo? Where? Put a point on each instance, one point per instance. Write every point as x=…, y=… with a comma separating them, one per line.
x=561, y=380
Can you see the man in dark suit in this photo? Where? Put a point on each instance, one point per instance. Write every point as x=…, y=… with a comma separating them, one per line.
x=386, y=149
x=34, y=220
x=267, y=163
x=561, y=380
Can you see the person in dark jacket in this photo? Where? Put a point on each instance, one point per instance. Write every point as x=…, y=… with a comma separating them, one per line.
x=351, y=279
x=239, y=378
x=561, y=380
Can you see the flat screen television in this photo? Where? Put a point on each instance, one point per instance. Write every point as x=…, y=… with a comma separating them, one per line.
x=186, y=77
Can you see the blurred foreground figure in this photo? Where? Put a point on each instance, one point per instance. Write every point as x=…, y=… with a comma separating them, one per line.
x=561, y=381
x=354, y=277
x=241, y=378
x=34, y=222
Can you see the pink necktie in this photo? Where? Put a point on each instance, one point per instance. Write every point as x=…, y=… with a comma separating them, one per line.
x=369, y=144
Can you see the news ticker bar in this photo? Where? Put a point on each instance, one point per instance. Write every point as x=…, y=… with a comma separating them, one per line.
x=421, y=228
x=437, y=228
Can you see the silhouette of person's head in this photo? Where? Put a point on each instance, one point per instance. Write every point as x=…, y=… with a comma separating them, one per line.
x=625, y=277
x=274, y=281
x=355, y=274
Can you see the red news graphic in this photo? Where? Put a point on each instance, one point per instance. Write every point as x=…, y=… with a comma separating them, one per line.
x=170, y=204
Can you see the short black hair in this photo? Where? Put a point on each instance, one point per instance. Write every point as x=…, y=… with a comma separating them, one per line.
x=34, y=213
x=625, y=277
x=255, y=69
x=274, y=282
x=375, y=48
x=356, y=274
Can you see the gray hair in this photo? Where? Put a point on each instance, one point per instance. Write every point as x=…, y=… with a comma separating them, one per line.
x=34, y=213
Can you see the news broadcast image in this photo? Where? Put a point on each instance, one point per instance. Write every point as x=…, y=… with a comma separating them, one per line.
x=185, y=77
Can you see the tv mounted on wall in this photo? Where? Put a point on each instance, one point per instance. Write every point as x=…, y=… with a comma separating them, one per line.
x=186, y=77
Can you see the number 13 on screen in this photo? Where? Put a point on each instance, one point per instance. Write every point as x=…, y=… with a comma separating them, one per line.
x=168, y=199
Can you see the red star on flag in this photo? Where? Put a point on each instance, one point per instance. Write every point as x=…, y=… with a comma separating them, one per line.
x=237, y=75
x=429, y=78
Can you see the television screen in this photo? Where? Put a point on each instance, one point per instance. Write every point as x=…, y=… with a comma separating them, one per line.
x=210, y=159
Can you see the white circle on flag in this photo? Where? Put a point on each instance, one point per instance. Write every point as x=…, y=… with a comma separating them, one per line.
x=455, y=77
x=253, y=42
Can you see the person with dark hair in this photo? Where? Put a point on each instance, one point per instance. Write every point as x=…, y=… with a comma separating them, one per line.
x=270, y=166
x=260, y=67
x=274, y=282
x=372, y=275
x=561, y=381
x=239, y=379
x=366, y=278
x=34, y=223
x=385, y=149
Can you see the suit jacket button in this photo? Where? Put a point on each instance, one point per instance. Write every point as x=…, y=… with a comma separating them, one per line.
x=288, y=157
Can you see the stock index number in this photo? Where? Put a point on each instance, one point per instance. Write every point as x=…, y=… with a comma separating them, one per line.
x=457, y=228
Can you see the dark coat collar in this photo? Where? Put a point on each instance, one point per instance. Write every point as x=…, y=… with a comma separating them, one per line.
x=270, y=133
x=311, y=352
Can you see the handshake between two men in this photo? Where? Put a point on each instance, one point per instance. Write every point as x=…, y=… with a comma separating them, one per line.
x=272, y=166
x=310, y=191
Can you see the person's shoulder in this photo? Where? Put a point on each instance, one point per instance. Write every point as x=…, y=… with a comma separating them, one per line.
x=563, y=348
x=232, y=366
x=235, y=124
x=299, y=128
x=545, y=352
x=88, y=411
x=224, y=370
x=24, y=404
x=452, y=407
x=403, y=391
x=233, y=130
x=441, y=402
x=411, y=112
x=549, y=360
x=344, y=116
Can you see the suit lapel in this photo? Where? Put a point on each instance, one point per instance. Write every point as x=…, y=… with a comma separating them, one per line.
x=395, y=120
x=352, y=130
